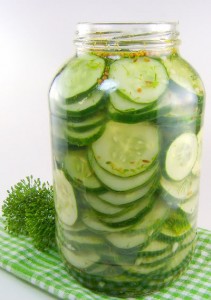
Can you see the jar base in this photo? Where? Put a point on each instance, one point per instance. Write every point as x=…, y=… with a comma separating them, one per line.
x=125, y=289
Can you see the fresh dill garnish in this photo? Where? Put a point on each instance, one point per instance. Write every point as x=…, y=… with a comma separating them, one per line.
x=29, y=210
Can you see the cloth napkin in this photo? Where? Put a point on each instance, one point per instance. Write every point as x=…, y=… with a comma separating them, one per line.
x=46, y=271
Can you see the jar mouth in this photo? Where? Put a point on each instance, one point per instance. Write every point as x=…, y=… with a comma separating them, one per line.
x=123, y=36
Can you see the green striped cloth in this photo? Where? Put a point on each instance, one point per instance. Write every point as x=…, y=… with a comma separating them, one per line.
x=47, y=271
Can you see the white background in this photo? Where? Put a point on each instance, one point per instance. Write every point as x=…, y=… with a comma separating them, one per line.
x=36, y=38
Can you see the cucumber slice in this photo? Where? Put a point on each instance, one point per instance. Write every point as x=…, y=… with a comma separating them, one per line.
x=117, y=183
x=181, y=156
x=80, y=75
x=142, y=80
x=125, y=105
x=154, y=248
x=183, y=74
x=178, y=261
x=130, y=118
x=154, y=260
x=126, y=150
x=147, y=270
x=101, y=206
x=180, y=190
x=86, y=239
x=88, y=123
x=176, y=227
x=76, y=227
x=83, y=138
x=65, y=201
x=87, y=105
x=131, y=214
x=127, y=240
x=196, y=167
x=78, y=169
x=127, y=197
x=91, y=220
x=80, y=260
x=154, y=218
x=190, y=206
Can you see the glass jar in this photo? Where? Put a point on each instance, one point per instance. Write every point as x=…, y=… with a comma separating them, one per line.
x=126, y=119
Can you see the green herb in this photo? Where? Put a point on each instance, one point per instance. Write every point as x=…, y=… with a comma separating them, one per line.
x=29, y=210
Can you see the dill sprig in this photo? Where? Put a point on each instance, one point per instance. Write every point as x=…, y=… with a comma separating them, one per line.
x=29, y=210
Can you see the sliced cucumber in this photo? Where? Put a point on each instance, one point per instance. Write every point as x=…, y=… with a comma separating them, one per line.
x=83, y=107
x=127, y=197
x=147, y=270
x=78, y=169
x=126, y=150
x=178, y=261
x=176, y=227
x=196, y=167
x=131, y=214
x=127, y=240
x=125, y=105
x=120, y=183
x=180, y=190
x=80, y=260
x=92, y=221
x=181, y=156
x=101, y=206
x=183, y=74
x=76, y=227
x=154, y=248
x=88, y=123
x=80, y=75
x=65, y=201
x=154, y=218
x=130, y=118
x=190, y=206
x=83, y=138
x=82, y=239
x=155, y=259
x=142, y=80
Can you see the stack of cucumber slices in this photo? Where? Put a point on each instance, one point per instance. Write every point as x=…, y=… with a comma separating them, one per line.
x=126, y=135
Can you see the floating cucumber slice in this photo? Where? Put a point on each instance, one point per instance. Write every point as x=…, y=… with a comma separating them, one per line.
x=196, y=167
x=180, y=190
x=92, y=221
x=155, y=113
x=190, y=206
x=77, y=167
x=131, y=214
x=121, y=183
x=83, y=138
x=80, y=260
x=183, y=74
x=181, y=156
x=65, y=201
x=101, y=206
x=142, y=80
x=127, y=240
x=154, y=218
x=83, y=107
x=176, y=227
x=125, y=105
x=126, y=150
x=154, y=248
x=80, y=75
x=88, y=123
x=127, y=197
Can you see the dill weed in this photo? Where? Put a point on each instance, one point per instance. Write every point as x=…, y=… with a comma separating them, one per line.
x=29, y=210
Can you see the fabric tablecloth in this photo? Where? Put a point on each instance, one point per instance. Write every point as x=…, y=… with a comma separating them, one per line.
x=46, y=271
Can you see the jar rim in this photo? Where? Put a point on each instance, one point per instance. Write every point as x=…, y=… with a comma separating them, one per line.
x=135, y=35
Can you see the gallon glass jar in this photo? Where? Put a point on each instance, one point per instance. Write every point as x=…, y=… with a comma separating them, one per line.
x=126, y=119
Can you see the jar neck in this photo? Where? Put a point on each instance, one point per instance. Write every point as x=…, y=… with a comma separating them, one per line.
x=147, y=38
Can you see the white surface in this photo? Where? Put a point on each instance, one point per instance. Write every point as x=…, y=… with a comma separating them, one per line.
x=35, y=40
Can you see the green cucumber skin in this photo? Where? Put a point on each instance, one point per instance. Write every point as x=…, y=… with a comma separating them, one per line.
x=86, y=141
x=86, y=112
x=132, y=118
x=88, y=127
